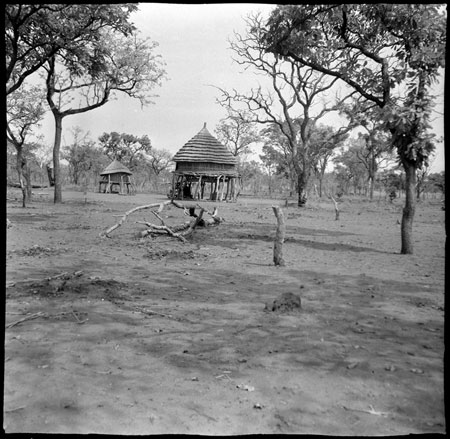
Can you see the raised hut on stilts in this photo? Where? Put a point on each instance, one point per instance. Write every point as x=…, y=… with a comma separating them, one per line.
x=116, y=178
x=205, y=170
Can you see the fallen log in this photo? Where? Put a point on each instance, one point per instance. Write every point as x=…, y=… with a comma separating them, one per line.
x=177, y=231
x=129, y=212
x=163, y=229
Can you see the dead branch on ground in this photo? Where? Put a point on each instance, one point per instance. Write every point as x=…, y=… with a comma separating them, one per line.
x=47, y=316
x=160, y=207
x=30, y=317
x=180, y=231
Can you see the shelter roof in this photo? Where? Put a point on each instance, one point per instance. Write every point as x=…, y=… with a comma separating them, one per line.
x=115, y=167
x=204, y=147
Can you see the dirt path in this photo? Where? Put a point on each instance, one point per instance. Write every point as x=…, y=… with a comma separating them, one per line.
x=155, y=336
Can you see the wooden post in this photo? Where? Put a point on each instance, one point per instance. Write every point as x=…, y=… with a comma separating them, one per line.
x=197, y=188
x=223, y=188
x=182, y=187
x=202, y=189
x=336, y=208
x=279, y=237
x=217, y=197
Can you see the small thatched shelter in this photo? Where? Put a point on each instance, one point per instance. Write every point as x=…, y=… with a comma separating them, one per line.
x=116, y=178
x=205, y=169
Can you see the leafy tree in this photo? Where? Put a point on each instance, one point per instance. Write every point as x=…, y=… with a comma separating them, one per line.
x=324, y=142
x=25, y=110
x=35, y=33
x=349, y=169
x=436, y=181
x=125, y=148
x=376, y=148
x=124, y=65
x=372, y=151
x=89, y=52
x=393, y=182
x=389, y=54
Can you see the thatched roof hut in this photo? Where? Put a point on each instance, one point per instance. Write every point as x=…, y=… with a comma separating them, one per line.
x=203, y=159
x=116, y=177
x=115, y=167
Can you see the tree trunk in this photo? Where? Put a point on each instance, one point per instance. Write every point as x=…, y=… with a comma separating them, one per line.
x=51, y=179
x=409, y=209
x=27, y=176
x=371, y=186
x=56, y=163
x=301, y=188
x=20, y=164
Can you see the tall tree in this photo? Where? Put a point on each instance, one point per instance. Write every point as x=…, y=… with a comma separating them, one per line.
x=326, y=140
x=295, y=92
x=389, y=54
x=350, y=170
x=373, y=150
x=25, y=109
x=110, y=65
x=87, y=48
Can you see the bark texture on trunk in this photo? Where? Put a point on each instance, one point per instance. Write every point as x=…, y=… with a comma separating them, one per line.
x=279, y=237
x=301, y=188
x=409, y=209
x=56, y=163
x=24, y=176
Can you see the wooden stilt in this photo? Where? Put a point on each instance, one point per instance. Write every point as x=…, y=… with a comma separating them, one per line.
x=197, y=188
x=217, y=196
x=223, y=188
x=181, y=186
x=233, y=189
x=202, y=189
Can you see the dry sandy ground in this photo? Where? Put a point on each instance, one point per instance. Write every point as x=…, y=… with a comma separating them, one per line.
x=153, y=336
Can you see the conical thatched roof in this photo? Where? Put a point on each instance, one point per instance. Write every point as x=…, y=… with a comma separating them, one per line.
x=116, y=167
x=204, y=148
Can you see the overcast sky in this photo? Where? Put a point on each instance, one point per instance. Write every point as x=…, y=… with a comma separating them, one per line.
x=193, y=42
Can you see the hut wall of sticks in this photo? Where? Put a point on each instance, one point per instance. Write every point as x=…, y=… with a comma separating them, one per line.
x=116, y=178
x=205, y=170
